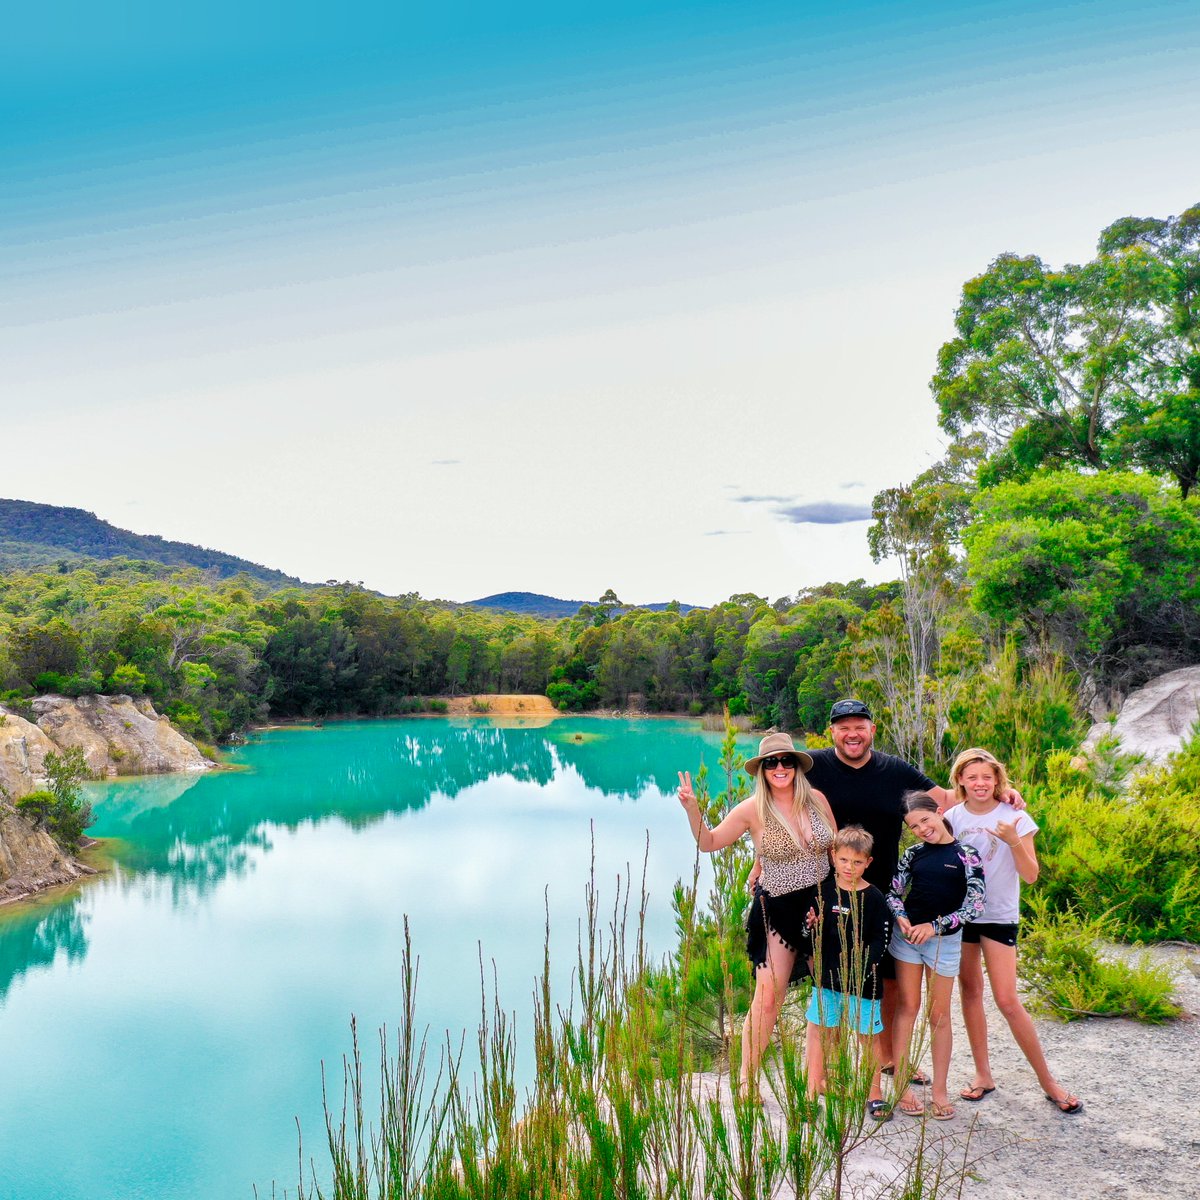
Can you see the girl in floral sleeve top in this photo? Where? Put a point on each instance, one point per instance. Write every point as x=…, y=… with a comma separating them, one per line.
x=939, y=886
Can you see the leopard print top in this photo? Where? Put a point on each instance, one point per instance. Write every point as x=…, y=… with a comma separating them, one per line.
x=787, y=866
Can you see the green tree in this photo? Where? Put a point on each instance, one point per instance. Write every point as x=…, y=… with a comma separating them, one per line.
x=1158, y=422
x=1102, y=567
x=64, y=814
x=1094, y=365
x=54, y=648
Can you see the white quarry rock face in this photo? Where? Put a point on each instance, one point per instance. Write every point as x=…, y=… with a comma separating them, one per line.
x=118, y=736
x=1158, y=718
x=23, y=750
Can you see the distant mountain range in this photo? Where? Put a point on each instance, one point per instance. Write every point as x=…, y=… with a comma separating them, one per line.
x=533, y=604
x=39, y=535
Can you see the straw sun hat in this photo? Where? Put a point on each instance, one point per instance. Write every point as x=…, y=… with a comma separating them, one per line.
x=778, y=743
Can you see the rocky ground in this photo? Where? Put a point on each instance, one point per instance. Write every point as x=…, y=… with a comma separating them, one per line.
x=1138, y=1138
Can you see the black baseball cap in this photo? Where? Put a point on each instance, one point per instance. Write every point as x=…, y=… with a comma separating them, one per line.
x=849, y=708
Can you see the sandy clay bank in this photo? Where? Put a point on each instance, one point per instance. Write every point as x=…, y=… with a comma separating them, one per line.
x=118, y=735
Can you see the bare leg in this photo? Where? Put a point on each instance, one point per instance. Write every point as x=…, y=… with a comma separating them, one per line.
x=1002, y=974
x=871, y=1053
x=970, y=982
x=887, y=1005
x=908, y=1005
x=939, y=989
x=814, y=1056
x=770, y=987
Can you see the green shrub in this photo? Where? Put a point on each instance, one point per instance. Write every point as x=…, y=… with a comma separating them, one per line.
x=18, y=703
x=1021, y=710
x=1128, y=858
x=37, y=806
x=1069, y=979
x=437, y=706
x=126, y=680
x=60, y=811
x=187, y=717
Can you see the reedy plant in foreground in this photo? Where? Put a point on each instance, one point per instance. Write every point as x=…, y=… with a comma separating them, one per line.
x=618, y=1107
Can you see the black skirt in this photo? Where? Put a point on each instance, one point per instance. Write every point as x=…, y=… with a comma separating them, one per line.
x=785, y=916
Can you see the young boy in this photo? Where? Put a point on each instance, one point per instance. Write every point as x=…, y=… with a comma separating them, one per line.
x=851, y=926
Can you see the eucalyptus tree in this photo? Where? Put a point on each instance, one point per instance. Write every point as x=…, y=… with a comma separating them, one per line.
x=1101, y=567
x=1158, y=424
x=1092, y=365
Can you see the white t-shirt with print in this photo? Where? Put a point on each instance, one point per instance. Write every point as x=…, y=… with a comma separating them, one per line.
x=1002, y=904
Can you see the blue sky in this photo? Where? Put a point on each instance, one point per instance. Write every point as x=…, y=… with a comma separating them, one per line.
x=471, y=298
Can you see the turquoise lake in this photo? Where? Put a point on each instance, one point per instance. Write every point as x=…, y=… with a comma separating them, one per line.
x=162, y=1028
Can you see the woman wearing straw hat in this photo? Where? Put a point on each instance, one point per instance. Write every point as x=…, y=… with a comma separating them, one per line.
x=791, y=826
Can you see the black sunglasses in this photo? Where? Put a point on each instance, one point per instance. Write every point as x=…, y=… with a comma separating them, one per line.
x=779, y=760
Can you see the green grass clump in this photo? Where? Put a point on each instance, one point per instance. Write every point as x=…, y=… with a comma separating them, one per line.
x=1069, y=979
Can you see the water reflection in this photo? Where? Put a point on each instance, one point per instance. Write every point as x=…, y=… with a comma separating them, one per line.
x=36, y=932
x=189, y=833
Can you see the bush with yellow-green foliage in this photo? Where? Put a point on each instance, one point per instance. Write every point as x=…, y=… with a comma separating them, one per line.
x=1022, y=709
x=1129, y=858
x=1070, y=978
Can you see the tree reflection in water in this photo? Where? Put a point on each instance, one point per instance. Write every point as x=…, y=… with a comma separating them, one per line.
x=187, y=833
x=35, y=932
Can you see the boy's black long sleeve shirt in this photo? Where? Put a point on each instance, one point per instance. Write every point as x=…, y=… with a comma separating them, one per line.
x=851, y=936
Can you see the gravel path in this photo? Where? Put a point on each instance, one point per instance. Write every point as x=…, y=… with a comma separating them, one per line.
x=1138, y=1138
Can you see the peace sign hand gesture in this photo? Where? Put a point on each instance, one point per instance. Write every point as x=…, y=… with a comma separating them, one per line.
x=687, y=797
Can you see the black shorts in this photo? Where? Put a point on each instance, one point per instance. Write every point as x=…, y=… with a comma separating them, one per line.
x=787, y=917
x=1006, y=935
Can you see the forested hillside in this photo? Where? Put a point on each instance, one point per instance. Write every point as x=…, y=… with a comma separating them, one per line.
x=1049, y=562
x=34, y=535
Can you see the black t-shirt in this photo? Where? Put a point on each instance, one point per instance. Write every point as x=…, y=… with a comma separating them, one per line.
x=853, y=929
x=871, y=796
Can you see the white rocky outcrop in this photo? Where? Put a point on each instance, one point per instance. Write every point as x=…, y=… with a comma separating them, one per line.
x=23, y=750
x=118, y=736
x=1156, y=719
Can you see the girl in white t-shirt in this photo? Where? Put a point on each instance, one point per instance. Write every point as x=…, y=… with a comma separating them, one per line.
x=1004, y=839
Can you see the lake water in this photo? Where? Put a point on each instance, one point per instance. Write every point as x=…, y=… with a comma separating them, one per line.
x=162, y=1028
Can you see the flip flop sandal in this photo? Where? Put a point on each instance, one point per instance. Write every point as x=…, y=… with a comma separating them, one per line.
x=1069, y=1106
x=911, y=1112
x=974, y=1094
x=942, y=1112
x=879, y=1110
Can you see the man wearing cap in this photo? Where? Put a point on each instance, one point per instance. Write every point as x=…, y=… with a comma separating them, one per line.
x=867, y=787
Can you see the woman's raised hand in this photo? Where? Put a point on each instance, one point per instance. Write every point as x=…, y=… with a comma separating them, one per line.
x=687, y=797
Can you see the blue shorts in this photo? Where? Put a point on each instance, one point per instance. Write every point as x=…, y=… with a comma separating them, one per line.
x=831, y=1009
x=941, y=954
